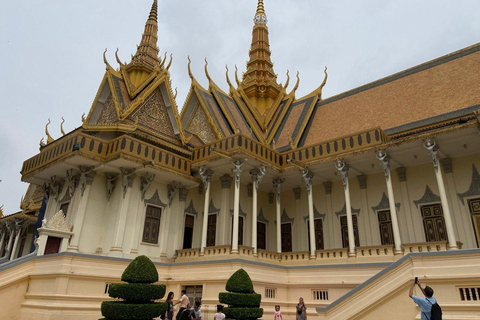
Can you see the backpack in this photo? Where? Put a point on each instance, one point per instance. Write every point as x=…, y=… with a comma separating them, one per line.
x=436, y=313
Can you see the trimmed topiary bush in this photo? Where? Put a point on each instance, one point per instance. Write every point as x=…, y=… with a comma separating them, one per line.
x=137, y=297
x=243, y=303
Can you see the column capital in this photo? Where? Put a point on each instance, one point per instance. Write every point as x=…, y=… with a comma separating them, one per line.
x=111, y=178
x=384, y=159
x=226, y=181
x=145, y=182
x=447, y=165
x=431, y=145
x=172, y=190
x=328, y=187
x=298, y=193
x=257, y=175
x=205, y=175
x=362, y=181
x=402, y=174
x=182, y=194
x=19, y=224
x=86, y=177
x=307, y=177
x=128, y=175
x=237, y=171
x=342, y=168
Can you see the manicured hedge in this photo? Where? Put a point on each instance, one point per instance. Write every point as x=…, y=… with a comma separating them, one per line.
x=136, y=291
x=240, y=299
x=240, y=282
x=243, y=313
x=140, y=270
x=119, y=310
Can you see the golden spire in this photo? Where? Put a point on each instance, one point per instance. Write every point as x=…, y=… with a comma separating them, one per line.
x=147, y=50
x=260, y=81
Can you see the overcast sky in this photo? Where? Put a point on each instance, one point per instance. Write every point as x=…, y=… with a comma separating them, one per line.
x=51, y=52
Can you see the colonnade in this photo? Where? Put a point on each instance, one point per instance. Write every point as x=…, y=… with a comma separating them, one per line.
x=10, y=234
x=307, y=176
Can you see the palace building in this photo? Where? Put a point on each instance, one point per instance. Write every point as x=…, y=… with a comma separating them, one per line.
x=342, y=201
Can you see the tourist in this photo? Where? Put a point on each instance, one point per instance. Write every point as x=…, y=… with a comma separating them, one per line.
x=195, y=312
x=301, y=310
x=426, y=304
x=219, y=315
x=278, y=314
x=184, y=304
x=170, y=305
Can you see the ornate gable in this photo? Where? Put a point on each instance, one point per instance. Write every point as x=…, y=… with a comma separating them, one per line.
x=153, y=115
x=108, y=114
x=200, y=125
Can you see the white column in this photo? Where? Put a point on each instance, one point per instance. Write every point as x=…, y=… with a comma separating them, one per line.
x=307, y=177
x=384, y=159
x=343, y=167
x=237, y=171
x=18, y=230
x=432, y=147
x=172, y=190
x=277, y=183
x=224, y=215
x=365, y=233
x=206, y=176
x=85, y=184
x=127, y=176
x=257, y=176
x=11, y=229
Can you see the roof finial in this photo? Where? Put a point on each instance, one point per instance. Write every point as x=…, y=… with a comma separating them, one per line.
x=288, y=80
x=170, y=62
x=228, y=79
x=61, y=126
x=189, y=69
x=260, y=7
x=147, y=50
x=49, y=137
x=206, y=70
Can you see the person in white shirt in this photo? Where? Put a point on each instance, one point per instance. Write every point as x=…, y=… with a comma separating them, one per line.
x=219, y=315
x=184, y=304
x=195, y=312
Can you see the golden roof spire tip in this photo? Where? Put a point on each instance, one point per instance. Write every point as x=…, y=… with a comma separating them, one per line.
x=116, y=57
x=236, y=76
x=288, y=80
x=162, y=61
x=228, y=79
x=105, y=58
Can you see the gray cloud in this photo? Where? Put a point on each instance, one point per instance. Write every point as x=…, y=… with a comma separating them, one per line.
x=51, y=52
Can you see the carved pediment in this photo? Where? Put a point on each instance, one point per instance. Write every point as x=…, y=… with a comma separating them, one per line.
x=57, y=222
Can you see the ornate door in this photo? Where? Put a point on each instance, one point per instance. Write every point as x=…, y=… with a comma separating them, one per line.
x=474, y=206
x=261, y=235
x=344, y=225
x=188, y=232
x=286, y=237
x=433, y=223
x=385, y=225
x=318, y=230
x=211, y=230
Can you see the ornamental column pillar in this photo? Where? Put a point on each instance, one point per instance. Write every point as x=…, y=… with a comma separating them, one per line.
x=277, y=184
x=224, y=221
x=307, y=177
x=3, y=232
x=343, y=168
x=11, y=229
x=127, y=176
x=431, y=145
x=237, y=171
x=18, y=231
x=257, y=176
x=206, y=176
x=384, y=159
x=85, y=182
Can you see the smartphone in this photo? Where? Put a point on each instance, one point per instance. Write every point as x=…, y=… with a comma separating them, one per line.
x=416, y=279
